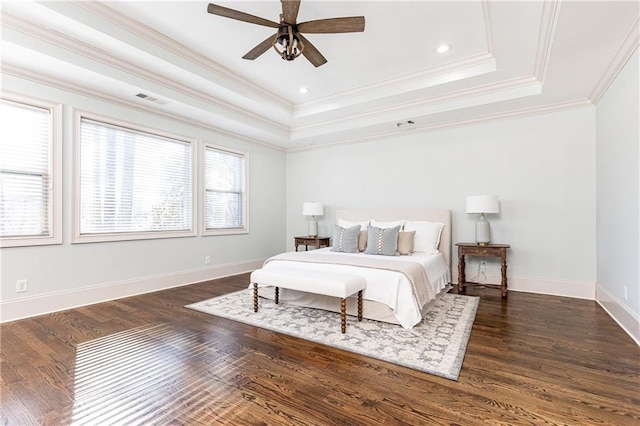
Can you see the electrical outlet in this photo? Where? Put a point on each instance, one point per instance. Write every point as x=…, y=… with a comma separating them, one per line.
x=207, y=260
x=22, y=286
x=624, y=292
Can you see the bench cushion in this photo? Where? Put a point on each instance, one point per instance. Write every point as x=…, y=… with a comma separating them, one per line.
x=318, y=282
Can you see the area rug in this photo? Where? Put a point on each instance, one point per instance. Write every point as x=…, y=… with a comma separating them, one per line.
x=436, y=345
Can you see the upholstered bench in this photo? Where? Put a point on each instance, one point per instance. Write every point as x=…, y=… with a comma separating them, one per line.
x=319, y=282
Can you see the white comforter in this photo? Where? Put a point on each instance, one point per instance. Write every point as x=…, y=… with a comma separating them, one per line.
x=388, y=287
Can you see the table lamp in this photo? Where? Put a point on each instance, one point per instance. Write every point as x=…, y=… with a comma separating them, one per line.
x=313, y=210
x=483, y=204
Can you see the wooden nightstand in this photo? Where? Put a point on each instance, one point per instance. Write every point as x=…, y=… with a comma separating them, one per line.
x=316, y=242
x=487, y=250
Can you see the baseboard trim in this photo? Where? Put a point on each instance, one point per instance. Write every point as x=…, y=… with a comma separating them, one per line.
x=27, y=307
x=551, y=287
x=563, y=288
x=626, y=319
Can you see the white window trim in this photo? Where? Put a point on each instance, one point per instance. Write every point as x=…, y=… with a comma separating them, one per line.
x=78, y=115
x=201, y=200
x=55, y=165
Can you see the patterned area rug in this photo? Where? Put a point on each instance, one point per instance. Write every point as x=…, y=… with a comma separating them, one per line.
x=437, y=345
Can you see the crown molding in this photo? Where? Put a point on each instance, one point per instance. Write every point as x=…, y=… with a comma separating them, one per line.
x=488, y=26
x=93, y=53
x=546, y=36
x=57, y=83
x=73, y=88
x=471, y=66
x=627, y=48
x=147, y=33
x=426, y=77
x=521, y=113
x=406, y=107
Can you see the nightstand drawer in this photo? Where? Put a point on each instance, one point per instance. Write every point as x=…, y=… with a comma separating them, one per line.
x=482, y=251
x=306, y=241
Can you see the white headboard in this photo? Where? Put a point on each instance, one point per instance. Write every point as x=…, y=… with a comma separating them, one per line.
x=430, y=215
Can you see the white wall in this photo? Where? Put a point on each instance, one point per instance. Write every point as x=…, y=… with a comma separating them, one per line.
x=542, y=168
x=70, y=272
x=618, y=198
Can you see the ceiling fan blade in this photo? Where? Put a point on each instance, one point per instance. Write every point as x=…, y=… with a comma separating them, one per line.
x=259, y=49
x=239, y=16
x=290, y=10
x=311, y=53
x=350, y=24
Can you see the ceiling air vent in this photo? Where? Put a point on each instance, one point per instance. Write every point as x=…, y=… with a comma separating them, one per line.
x=405, y=123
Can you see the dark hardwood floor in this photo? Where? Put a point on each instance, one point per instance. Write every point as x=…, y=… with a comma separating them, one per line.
x=533, y=359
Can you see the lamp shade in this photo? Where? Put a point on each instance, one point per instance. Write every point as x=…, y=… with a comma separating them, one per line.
x=312, y=209
x=483, y=204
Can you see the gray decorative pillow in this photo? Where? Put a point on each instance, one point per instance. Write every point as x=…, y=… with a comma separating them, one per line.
x=345, y=240
x=382, y=241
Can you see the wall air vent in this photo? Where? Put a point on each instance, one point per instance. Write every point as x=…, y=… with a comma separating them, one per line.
x=150, y=98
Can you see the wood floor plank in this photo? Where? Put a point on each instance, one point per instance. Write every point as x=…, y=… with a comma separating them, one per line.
x=531, y=359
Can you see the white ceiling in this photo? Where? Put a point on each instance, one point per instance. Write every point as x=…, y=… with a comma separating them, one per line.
x=508, y=59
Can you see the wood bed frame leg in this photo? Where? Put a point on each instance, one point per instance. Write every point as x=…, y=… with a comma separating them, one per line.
x=343, y=315
x=360, y=305
x=255, y=297
x=277, y=295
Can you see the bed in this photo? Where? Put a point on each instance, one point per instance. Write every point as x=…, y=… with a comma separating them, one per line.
x=393, y=294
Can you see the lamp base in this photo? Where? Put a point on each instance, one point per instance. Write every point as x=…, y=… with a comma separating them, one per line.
x=483, y=231
x=313, y=227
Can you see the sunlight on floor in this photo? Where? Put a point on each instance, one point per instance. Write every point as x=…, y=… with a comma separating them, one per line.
x=145, y=375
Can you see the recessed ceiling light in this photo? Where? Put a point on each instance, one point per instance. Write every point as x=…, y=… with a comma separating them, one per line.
x=443, y=48
x=303, y=90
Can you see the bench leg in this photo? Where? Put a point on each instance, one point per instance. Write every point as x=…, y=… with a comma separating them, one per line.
x=277, y=295
x=360, y=305
x=255, y=297
x=343, y=315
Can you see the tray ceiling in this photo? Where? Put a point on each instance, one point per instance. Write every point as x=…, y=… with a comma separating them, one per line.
x=507, y=59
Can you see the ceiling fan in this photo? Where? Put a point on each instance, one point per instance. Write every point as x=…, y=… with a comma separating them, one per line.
x=288, y=40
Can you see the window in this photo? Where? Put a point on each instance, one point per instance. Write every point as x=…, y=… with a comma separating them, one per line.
x=30, y=132
x=133, y=183
x=225, y=198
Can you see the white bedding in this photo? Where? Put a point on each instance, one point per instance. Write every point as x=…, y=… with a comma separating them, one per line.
x=390, y=288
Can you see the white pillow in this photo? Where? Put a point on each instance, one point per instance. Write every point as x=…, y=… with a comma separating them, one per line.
x=427, y=237
x=385, y=225
x=348, y=224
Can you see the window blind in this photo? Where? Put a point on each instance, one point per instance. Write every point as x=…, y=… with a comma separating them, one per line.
x=25, y=170
x=133, y=181
x=225, y=189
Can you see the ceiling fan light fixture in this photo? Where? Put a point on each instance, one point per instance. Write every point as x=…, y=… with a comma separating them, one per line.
x=287, y=43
